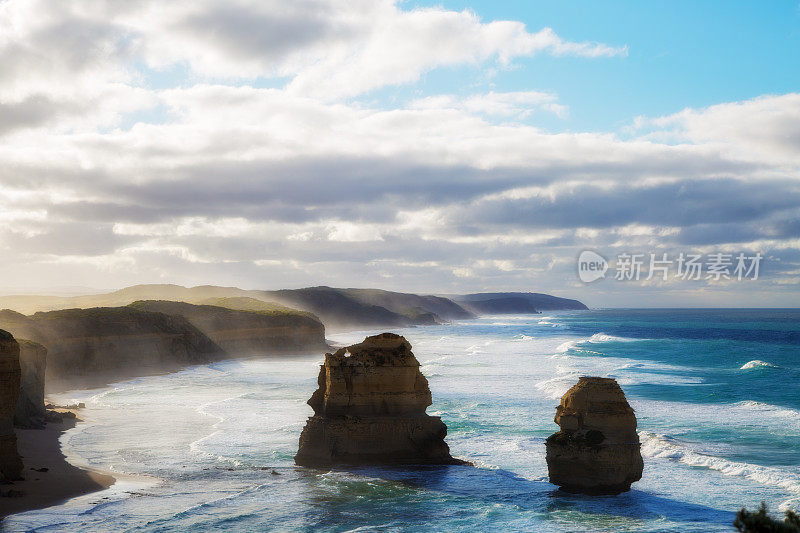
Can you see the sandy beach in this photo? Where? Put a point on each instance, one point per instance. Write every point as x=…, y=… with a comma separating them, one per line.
x=40, y=450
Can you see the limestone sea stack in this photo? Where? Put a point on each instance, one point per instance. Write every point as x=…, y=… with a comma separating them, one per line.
x=369, y=409
x=31, y=411
x=597, y=449
x=10, y=461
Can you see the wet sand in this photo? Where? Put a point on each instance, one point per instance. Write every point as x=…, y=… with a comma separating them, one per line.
x=40, y=449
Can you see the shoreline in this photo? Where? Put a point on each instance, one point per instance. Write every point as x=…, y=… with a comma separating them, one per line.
x=62, y=481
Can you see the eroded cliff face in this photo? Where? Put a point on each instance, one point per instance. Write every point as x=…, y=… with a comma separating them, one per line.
x=241, y=332
x=597, y=449
x=10, y=461
x=30, y=411
x=370, y=409
x=90, y=347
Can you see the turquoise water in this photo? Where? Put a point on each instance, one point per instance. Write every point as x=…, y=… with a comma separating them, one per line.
x=715, y=391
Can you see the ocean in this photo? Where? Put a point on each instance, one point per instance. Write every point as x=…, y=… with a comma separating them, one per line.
x=715, y=392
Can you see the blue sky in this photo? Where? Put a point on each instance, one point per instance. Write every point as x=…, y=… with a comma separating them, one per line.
x=430, y=147
x=681, y=54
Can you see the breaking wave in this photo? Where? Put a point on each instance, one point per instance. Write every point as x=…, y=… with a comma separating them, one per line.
x=602, y=337
x=662, y=447
x=756, y=363
x=770, y=410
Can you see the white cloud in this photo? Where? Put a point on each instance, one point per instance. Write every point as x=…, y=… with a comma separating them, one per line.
x=399, y=46
x=233, y=184
x=767, y=127
x=349, y=232
x=327, y=49
x=520, y=104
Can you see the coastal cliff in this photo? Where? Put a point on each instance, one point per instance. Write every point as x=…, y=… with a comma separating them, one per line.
x=90, y=347
x=10, y=461
x=516, y=303
x=31, y=412
x=344, y=308
x=370, y=409
x=246, y=332
x=335, y=307
x=597, y=449
x=503, y=306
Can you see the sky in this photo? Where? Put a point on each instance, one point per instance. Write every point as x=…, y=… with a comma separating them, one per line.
x=449, y=147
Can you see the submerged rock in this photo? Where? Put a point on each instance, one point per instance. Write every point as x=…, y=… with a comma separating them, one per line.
x=369, y=409
x=10, y=461
x=597, y=449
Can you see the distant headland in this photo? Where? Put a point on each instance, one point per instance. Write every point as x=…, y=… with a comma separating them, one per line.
x=95, y=339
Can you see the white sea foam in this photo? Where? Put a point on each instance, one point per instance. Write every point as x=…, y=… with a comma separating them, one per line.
x=662, y=447
x=792, y=504
x=756, y=363
x=771, y=410
x=597, y=338
x=98, y=399
x=196, y=445
x=626, y=371
x=259, y=410
x=557, y=386
x=602, y=337
x=566, y=346
x=549, y=323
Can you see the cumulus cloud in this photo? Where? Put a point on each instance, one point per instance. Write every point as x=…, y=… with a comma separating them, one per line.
x=767, y=127
x=208, y=177
x=337, y=49
x=325, y=48
x=518, y=104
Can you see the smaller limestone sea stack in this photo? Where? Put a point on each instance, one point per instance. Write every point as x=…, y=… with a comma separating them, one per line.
x=369, y=409
x=597, y=449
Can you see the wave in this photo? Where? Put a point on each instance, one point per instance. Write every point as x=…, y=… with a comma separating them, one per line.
x=567, y=346
x=597, y=338
x=602, y=337
x=756, y=363
x=662, y=447
x=765, y=408
x=557, y=386
x=97, y=399
x=544, y=322
x=195, y=446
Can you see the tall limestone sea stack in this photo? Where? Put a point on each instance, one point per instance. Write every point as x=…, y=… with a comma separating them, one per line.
x=10, y=461
x=31, y=412
x=597, y=449
x=369, y=409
